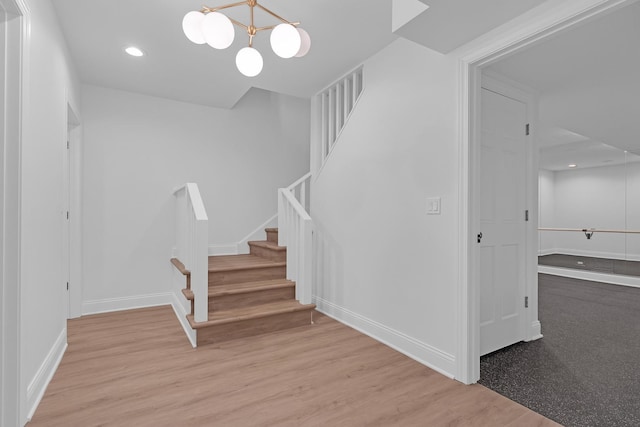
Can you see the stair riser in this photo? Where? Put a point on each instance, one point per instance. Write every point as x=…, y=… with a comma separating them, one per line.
x=248, y=328
x=272, y=236
x=250, y=275
x=273, y=255
x=228, y=302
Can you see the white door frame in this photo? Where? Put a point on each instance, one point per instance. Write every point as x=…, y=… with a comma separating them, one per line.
x=12, y=389
x=531, y=28
x=74, y=135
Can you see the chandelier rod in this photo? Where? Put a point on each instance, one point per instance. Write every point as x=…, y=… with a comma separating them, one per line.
x=273, y=14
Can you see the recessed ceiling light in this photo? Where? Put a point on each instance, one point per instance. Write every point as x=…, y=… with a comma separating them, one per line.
x=573, y=165
x=134, y=51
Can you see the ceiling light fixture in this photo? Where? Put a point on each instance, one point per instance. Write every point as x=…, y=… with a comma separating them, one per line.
x=216, y=29
x=572, y=165
x=134, y=51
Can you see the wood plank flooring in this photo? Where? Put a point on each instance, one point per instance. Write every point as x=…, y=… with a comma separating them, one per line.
x=136, y=368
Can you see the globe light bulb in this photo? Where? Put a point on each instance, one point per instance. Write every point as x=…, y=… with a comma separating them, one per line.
x=249, y=61
x=192, y=27
x=285, y=40
x=305, y=43
x=217, y=30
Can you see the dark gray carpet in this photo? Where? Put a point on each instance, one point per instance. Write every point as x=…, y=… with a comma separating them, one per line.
x=586, y=369
x=599, y=265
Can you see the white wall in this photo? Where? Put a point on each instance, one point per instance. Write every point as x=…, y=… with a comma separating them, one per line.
x=389, y=268
x=138, y=149
x=546, y=211
x=601, y=197
x=50, y=84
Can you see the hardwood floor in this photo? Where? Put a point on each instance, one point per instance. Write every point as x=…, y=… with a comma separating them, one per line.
x=136, y=368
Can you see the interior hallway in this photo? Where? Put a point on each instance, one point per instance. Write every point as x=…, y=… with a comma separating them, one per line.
x=137, y=368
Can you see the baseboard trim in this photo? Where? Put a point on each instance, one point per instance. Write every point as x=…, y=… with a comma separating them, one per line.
x=612, y=279
x=591, y=254
x=435, y=359
x=178, y=309
x=126, y=303
x=535, y=332
x=40, y=382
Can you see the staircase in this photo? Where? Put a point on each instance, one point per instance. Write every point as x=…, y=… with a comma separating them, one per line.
x=248, y=294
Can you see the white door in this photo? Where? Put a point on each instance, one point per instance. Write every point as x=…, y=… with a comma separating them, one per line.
x=502, y=240
x=66, y=247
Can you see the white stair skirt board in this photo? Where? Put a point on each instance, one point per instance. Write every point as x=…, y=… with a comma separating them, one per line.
x=613, y=279
x=242, y=247
x=126, y=303
x=429, y=356
x=40, y=382
x=181, y=314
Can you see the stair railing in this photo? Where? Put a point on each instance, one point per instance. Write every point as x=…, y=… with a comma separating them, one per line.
x=331, y=110
x=295, y=231
x=192, y=237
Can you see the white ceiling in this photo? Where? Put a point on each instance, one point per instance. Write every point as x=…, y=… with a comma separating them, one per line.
x=449, y=24
x=588, y=82
x=343, y=34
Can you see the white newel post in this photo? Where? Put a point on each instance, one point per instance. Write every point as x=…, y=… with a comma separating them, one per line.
x=295, y=231
x=192, y=240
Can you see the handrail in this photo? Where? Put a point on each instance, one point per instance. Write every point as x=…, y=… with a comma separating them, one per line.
x=588, y=232
x=299, y=190
x=192, y=236
x=300, y=181
x=295, y=231
x=295, y=204
x=599, y=230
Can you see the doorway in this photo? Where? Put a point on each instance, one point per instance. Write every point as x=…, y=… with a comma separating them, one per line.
x=548, y=20
x=71, y=250
x=11, y=389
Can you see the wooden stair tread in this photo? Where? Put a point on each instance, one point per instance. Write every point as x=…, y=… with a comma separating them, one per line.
x=188, y=294
x=249, y=313
x=240, y=262
x=242, y=288
x=271, y=230
x=267, y=244
x=180, y=266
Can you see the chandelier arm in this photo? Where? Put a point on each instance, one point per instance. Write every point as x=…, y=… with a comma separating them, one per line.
x=226, y=6
x=238, y=23
x=271, y=27
x=272, y=14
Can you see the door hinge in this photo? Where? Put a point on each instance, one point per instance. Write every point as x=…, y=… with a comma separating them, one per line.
x=67, y=144
x=527, y=129
x=67, y=214
x=526, y=215
x=67, y=285
x=526, y=302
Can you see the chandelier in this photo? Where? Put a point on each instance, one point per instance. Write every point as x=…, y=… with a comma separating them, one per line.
x=210, y=26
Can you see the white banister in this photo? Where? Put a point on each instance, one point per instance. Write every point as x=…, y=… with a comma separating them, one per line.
x=295, y=231
x=332, y=108
x=300, y=190
x=192, y=236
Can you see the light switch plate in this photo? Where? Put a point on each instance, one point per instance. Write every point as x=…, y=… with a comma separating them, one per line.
x=433, y=206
